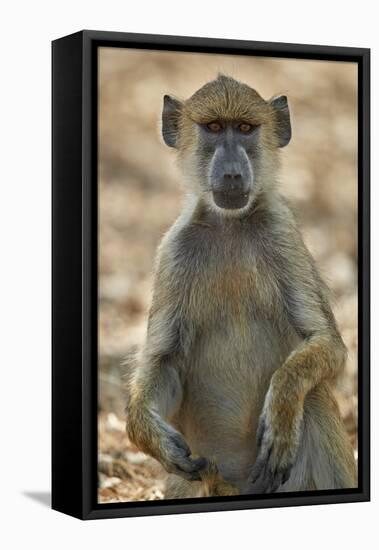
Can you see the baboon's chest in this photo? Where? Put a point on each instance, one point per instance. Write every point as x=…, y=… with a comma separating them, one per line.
x=234, y=284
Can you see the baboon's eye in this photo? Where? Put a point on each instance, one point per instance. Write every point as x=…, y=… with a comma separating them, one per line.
x=214, y=127
x=245, y=127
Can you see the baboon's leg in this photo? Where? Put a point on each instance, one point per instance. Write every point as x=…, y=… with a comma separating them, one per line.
x=212, y=484
x=325, y=458
x=177, y=487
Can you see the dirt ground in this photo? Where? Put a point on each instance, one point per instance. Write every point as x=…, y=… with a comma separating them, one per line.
x=140, y=196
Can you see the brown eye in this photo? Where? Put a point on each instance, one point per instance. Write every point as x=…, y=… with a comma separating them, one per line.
x=214, y=127
x=245, y=128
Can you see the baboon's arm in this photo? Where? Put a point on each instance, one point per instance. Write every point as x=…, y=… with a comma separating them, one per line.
x=320, y=355
x=156, y=390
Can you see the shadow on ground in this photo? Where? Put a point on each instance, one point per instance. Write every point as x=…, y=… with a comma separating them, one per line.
x=42, y=497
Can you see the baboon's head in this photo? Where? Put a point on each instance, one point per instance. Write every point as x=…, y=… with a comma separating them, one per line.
x=227, y=137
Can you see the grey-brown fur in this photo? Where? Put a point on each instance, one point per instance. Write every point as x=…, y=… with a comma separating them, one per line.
x=232, y=389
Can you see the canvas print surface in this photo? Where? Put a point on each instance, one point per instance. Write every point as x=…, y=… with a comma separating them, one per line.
x=227, y=267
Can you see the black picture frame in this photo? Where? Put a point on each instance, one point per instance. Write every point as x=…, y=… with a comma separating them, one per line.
x=74, y=272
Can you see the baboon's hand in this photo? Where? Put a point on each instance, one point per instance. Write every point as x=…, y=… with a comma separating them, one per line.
x=154, y=436
x=278, y=437
x=175, y=455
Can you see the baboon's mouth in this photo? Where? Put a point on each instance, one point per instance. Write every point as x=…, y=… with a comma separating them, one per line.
x=230, y=199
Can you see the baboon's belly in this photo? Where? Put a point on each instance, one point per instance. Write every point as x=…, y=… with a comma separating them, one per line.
x=224, y=392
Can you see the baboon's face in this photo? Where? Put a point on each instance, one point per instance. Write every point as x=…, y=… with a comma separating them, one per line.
x=227, y=151
x=227, y=137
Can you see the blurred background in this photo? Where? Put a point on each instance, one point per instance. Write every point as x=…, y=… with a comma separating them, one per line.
x=140, y=196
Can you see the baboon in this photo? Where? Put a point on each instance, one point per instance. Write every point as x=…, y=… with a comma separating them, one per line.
x=232, y=390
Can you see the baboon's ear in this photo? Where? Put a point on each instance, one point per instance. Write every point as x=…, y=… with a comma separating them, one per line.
x=283, y=122
x=170, y=120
